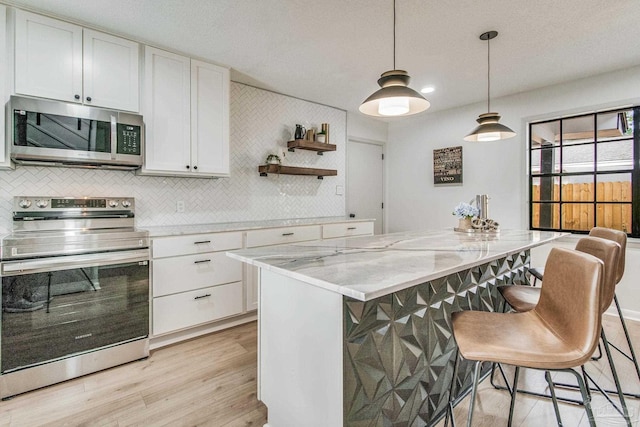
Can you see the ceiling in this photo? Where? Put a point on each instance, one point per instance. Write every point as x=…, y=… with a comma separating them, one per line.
x=333, y=51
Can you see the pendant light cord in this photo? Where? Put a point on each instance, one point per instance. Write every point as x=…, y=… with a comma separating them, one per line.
x=488, y=75
x=394, y=34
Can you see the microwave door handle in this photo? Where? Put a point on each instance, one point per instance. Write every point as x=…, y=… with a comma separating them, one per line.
x=114, y=136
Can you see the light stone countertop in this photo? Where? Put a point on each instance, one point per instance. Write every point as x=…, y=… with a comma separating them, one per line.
x=368, y=267
x=179, y=230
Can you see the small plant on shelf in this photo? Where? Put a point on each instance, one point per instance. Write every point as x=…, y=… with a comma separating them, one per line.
x=273, y=159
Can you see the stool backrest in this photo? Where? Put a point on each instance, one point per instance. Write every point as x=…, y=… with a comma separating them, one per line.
x=620, y=237
x=570, y=299
x=608, y=252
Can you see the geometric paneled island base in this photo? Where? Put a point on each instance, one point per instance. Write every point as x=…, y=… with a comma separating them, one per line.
x=357, y=332
x=399, y=349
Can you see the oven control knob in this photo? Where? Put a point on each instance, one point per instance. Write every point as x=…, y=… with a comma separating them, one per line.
x=113, y=203
x=126, y=204
x=42, y=203
x=24, y=203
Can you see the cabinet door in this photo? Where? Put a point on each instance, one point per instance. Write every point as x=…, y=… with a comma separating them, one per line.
x=4, y=143
x=110, y=71
x=166, y=112
x=209, y=119
x=48, y=57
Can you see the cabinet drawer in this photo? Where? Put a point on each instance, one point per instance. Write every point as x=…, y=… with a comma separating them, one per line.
x=278, y=236
x=189, y=272
x=195, y=244
x=187, y=309
x=331, y=231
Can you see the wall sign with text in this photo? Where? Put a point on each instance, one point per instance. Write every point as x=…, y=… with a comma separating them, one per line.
x=447, y=165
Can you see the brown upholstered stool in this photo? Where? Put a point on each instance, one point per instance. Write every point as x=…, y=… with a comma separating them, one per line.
x=609, y=252
x=621, y=238
x=560, y=333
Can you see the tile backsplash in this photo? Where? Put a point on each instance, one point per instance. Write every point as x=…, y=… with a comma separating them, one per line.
x=261, y=123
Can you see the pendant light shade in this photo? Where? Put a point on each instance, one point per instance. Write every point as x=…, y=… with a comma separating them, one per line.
x=489, y=128
x=395, y=97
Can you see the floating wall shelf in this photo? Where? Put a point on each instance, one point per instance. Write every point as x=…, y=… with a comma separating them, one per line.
x=303, y=144
x=294, y=170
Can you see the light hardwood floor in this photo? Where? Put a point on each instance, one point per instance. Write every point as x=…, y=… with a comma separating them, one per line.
x=211, y=381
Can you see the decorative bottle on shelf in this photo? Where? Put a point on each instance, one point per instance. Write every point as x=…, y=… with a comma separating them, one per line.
x=325, y=130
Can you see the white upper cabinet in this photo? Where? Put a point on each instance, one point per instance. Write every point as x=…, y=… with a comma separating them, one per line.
x=51, y=62
x=111, y=71
x=4, y=143
x=166, y=111
x=209, y=118
x=186, y=112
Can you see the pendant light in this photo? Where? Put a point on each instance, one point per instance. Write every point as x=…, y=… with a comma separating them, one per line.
x=394, y=98
x=489, y=128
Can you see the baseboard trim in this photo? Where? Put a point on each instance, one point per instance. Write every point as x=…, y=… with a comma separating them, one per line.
x=630, y=315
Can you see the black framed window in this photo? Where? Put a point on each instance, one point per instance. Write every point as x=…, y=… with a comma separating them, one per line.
x=584, y=172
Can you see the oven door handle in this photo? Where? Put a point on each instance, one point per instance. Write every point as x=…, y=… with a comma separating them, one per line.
x=43, y=265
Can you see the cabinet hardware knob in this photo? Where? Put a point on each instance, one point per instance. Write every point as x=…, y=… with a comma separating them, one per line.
x=202, y=296
x=195, y=167
x=200, y=242
x=202, y=261
x=88, y=98
x=287, y=234
x=351, y=228
x=76, y=96
x=187, y=166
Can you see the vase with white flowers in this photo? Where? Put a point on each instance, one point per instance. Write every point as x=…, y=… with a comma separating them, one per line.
x=465, y=212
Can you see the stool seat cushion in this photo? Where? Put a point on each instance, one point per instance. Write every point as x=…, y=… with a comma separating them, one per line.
x=520, y=298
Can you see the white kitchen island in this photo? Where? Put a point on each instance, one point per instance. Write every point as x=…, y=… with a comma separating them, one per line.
x=356, y=331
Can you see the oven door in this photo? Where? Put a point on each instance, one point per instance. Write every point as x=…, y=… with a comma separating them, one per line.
x=58, y=307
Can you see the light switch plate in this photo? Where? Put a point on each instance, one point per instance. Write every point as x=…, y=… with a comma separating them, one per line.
x=339, y=190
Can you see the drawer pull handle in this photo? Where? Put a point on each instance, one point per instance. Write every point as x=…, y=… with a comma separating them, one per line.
x=287, y=234
x=351, y=228
x=202, y=242
x=201, y=261
x=202, y=296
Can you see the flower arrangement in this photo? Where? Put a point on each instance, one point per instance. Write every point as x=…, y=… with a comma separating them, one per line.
x=465, y=210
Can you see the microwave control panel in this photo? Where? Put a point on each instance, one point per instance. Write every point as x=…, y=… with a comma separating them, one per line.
x=129, y=139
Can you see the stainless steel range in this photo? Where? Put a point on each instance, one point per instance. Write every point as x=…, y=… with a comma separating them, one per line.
x=75, y=290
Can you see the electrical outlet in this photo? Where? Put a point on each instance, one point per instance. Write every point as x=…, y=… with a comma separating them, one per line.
x=339, y=190
x=180, y=206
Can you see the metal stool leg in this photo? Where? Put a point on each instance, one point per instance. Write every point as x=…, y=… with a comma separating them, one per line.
x=452, y=388
x=633, y=357
x=514, y=392
x=474, y=391
x=552, y=390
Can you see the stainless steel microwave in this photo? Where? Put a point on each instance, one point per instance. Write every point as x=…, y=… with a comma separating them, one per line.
x=56, y=133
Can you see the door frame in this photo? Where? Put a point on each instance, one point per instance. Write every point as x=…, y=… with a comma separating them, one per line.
x=383, y=145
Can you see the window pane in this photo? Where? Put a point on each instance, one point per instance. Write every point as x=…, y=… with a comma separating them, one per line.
x=577, y=216
x=545, y=133
x=578, y=158
x=615, y=125
x=577, y=188
x=616, y=216
x=577, y=130
x=615, y=155
x=545, y=189
x=613, y=187
x=545, y=160
x=545, y=215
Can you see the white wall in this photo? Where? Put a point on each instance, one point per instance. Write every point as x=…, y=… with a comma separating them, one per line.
x=494, y=168
x=261, y=123
x=363, y=128
x=499, y=168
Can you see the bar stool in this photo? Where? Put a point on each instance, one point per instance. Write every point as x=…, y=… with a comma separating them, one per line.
x=559, y=334
x=609, y=252
x=621, y=238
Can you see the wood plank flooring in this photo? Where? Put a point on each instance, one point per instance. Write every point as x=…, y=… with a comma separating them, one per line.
x=211, y=381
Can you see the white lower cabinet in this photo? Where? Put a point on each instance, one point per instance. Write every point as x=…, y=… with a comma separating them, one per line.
x=195, y=284
x=187, y=309
x=193, y=280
